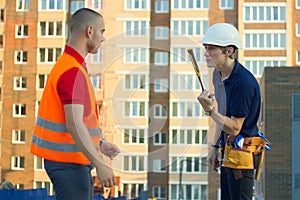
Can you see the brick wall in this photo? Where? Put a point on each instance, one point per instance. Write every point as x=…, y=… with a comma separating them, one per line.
x=279, y=84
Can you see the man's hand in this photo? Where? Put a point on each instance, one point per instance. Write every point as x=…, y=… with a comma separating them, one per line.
x=105, y=175
x=213, y=160
x=109, y=149
x=206, y=100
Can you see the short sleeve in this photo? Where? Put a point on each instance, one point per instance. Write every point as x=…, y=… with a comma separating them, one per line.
x=72, y=87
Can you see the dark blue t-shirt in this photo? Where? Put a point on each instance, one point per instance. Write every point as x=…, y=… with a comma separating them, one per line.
x=239, y=96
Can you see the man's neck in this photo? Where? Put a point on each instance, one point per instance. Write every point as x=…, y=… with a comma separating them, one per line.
x=227, y=69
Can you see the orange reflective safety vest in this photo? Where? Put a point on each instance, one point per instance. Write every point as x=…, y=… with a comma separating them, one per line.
x=50, y=138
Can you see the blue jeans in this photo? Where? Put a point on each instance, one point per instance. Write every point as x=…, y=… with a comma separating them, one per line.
x=70, y=181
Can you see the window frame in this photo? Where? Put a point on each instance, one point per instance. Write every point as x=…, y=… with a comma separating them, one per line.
x=20, y=108
x=25, y=5
x=160, y=136
x=23, y=31
x=135, y=81
x=55, y=6
x=161, y=6
x=135, y=106
x=23, y=55
x=134, y=163
x=161, y=85
x=179, y=134
x=55, y=55
x=17, y=163
x=159, y=192
x=226, y=6
x=140, y=135
x=161, y=32
x=22, y=81
x=18, y=136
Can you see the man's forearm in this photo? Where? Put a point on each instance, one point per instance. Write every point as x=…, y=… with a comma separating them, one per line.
x=80, y=133
x=231, y=126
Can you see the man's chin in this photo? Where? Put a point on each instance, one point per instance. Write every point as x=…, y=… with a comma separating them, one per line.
x=210, y=65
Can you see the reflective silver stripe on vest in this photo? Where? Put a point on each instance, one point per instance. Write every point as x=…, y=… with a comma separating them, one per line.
x=59, y=127
x=55, y=146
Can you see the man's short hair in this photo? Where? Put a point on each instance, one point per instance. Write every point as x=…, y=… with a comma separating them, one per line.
x=82, y=17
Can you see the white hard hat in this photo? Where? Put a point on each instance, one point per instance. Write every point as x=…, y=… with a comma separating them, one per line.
x=222, y=34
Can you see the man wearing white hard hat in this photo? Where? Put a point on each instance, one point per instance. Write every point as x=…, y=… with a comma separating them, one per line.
x=234, y=109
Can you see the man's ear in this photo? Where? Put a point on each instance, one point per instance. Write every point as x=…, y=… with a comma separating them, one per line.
x=89, y=31
x=230, y=51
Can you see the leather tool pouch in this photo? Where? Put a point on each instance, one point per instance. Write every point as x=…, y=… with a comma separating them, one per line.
x=237, y=158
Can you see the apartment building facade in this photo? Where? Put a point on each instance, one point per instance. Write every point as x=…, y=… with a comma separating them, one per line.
x=145, y=84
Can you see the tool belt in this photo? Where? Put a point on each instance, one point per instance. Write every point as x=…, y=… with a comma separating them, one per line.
x=242, y=158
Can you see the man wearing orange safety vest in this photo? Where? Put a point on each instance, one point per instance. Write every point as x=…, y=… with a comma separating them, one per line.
x=67, y=132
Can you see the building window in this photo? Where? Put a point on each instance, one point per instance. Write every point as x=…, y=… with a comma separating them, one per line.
x=191, y=27
x=21, y=57
x=49, y=55
x=162, y=6
x=161, y=58
x=19, y=110
x=135, y=109
x=136, y=55
x=265, y=40
x=18, y=136
x=136, y=28
x=134, y=136
x=190, y=4
x=160, y=111
x=265, y=13
x=161, y=32
x=298, y=57
x=132, y=190
x=190, y=191
x=256, y=66
x=159, y=165
x=134, y=163
x=41, y=81
x=135, y=4
x=95, y=58
x=22, y=5
x=19, y=83
x=226, y=4
x=1, y=41
x=96, y=81
x=135, y=81
x=53, y=4
x=180, y=55
x=76, y=5
x=21, y=31
x=188, y=136
x=186, y=109
x=19, y=186
x=161, y=85
x=97, y=4
x=2, y=14
x=38, y=163
x=51, y=29
x=298, y=29
x=160, y=139
x=187, y=81
x=17, y=163
x=44, y=184
x=159, y=192
x=190, y=164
